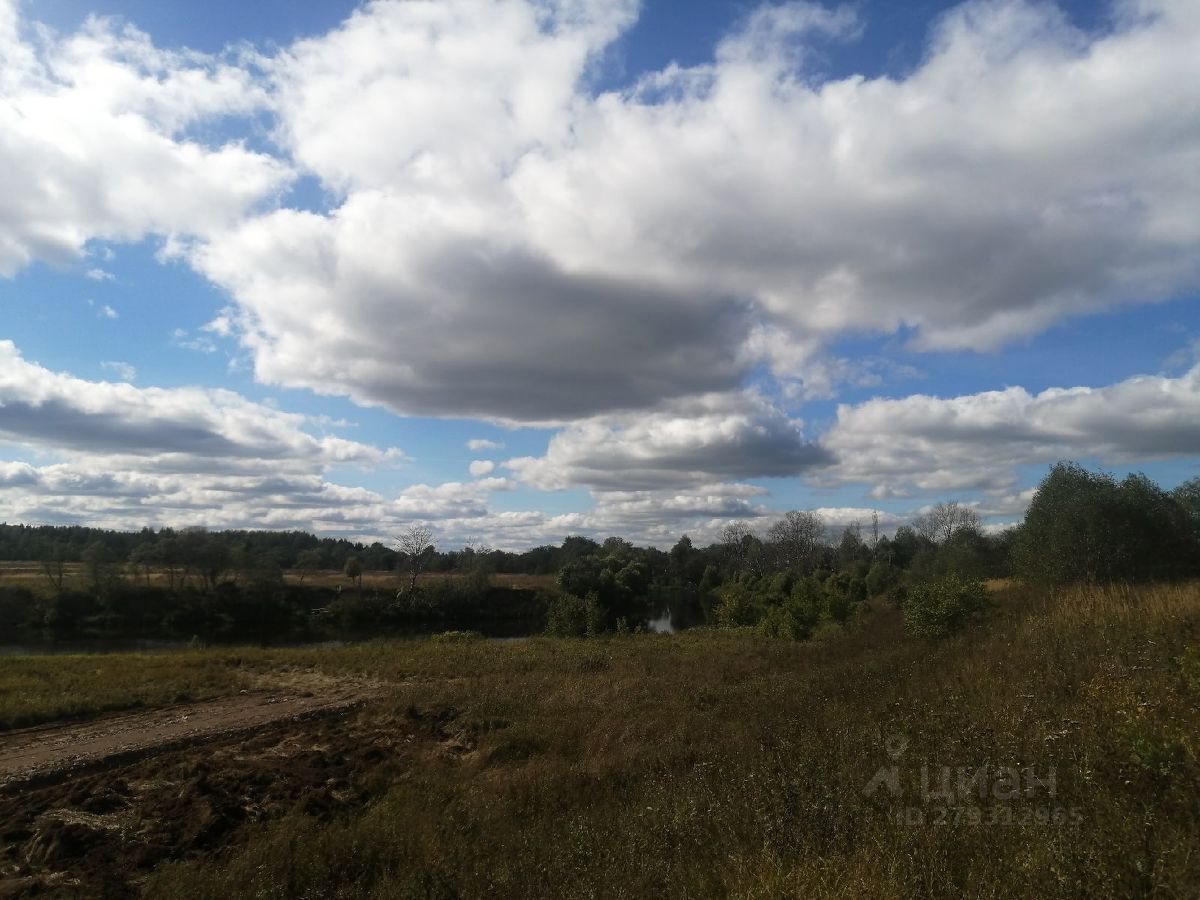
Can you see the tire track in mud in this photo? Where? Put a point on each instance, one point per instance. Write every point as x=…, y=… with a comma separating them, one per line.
x=49, y=753
x=89, y=809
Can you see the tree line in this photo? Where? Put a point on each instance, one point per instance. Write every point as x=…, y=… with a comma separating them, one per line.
x=797, y=575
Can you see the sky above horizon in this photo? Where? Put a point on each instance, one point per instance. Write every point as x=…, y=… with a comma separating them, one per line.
x=519, y=269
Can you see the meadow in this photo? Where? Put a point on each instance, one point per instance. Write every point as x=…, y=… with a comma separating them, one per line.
x=1050, y=750
x=32, y=575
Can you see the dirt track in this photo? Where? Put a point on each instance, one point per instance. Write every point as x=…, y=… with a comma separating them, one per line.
x=49, y=752
x=89, y=809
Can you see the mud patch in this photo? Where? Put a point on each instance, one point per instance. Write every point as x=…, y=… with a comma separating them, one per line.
x=97, y=834
x=51, y=752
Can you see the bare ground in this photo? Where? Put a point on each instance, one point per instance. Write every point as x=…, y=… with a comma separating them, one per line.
x=88, y=809
x=51, y=752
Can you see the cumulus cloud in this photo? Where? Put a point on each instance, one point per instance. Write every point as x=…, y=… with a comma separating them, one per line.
x=706, y=439
x=94, y=144
x=127, y=499
x=176, y=427
x=537, y=253
x=478, y=444
x=482, y=467
x=975, y=442
x=189, y=456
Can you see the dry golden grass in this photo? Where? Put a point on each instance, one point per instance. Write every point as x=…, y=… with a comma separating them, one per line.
x=395, y=580
x=32, y=575
x=718, y=764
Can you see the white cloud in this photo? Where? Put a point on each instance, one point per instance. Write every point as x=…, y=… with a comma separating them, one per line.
x=122, y=370
x=975, y=442
x=107, y=312
x=530, y=252
x=480, y=467
x=201, y=343
x=171, y=429
x=93, y=143
x=484, y=444
x=99, y=275
x=506, y=244
x=697, y=442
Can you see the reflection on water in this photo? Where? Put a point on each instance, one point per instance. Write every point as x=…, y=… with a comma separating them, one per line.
x=670, y=612
x=661, y=624
x=673, y=611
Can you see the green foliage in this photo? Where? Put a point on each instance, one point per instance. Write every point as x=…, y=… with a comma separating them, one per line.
x=737, y=607
x=711, y=580
x=936, y=609
x=793, y=620
x=1087, y=527
x=571, y=616
x=880, y=579
x=619, y=582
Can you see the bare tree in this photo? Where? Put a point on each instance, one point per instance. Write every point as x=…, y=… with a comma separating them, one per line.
x=415, y=544
x=874, y=531
x=945, y=520
x=798, y=537
x=734, y=541
x=54, y=565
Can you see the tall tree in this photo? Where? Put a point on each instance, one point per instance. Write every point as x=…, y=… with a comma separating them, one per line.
x=798, y=538
x=735, y=541
x=1086, y=526
x=944, y=520
x=414, y=544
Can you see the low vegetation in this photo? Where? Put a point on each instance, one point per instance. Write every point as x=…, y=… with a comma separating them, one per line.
x=726, y=763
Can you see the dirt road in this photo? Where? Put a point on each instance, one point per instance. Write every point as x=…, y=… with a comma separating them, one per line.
x=49, y=752
x=88, y=809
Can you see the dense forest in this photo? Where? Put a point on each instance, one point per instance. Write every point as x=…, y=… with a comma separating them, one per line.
x=797, y=577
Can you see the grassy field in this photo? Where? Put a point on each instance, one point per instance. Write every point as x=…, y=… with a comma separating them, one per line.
x=32, y=575
x=712, y=764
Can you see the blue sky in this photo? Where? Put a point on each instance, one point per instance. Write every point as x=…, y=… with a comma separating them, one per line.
x=679, y=264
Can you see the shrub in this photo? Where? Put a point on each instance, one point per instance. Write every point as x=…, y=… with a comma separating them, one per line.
x=737, y=607
x=880, y=578
x=792, y=620
x=572, y=616
x=938, y=608
x=456, y=637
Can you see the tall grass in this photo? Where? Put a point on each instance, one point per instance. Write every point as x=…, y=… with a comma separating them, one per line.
x=37, y=689
x=714, y=764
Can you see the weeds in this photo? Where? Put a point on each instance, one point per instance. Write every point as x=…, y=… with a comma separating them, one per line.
x=726, y=763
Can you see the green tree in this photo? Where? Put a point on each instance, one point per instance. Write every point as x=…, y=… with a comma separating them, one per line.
x=354, y=571
x=1087, y=527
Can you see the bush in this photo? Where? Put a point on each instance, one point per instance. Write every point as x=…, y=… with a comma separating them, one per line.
x=572, y=616
x=935, y=609
x=793, y=621
x=456, y=637
x=737, y=607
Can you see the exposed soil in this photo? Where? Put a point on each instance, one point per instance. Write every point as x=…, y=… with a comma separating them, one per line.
x=89, y=809
x=51, y=752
